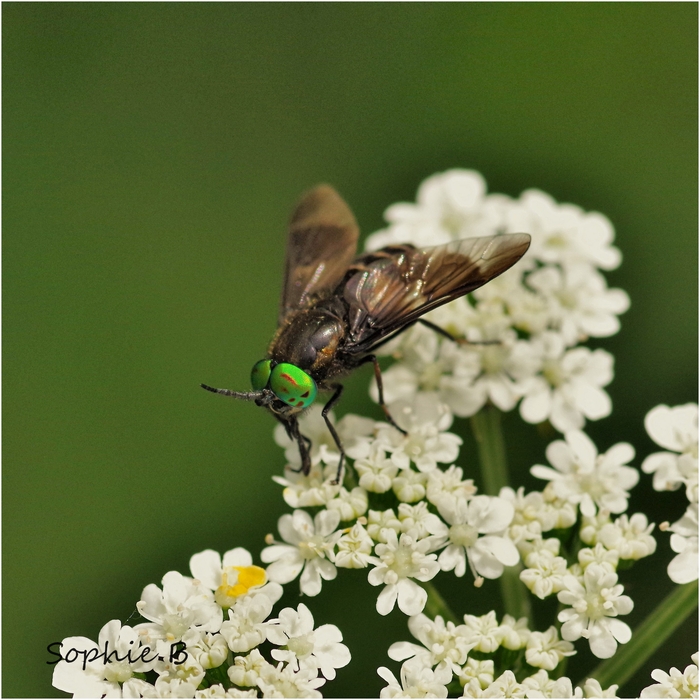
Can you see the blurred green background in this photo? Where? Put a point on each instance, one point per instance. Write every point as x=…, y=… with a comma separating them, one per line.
x=152, y=154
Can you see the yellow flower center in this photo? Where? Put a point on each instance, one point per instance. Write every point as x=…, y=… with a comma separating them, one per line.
x=237, y=581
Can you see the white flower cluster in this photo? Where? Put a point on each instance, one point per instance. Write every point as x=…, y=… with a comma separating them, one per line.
x=676, y=429
x=598, y=487
x=201, y=640
x=444, y=658
x=430, y=511
x=405, y=522
x=539, y=311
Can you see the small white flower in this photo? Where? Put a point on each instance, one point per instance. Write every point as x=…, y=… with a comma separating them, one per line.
x=530, y=550
x=453, y=376
x=246, y=670
x=376, y=470
x=449, y=206
x=630, y=537
x=503, y=369
x=423, y=360
x=580, y=303
x=309, y=548
x=528, y=310
x=449, y=486
x=396, y=564
x=104, y=669
x=462, y=378
x=294, y=630
x=416, y=682
x=545, y=649
x=473, y=537
x=674, y=684
x=591, y=525
x=540, y=685
x=285, y=682
x=582, y=476
x=595, y=602
x=246, y=625
x=307, y=491
x=479, y=670
x=229, y=578
x=208, y=650
x=545, y=570
x=420, y=520
x=168, y=686
x=592, y=689
x=570, y=386
x=514, y=633
x=533, y=515
x=445, y=645
x=598, y=554
x=564, y=233
x=183, y=603
x=676, y=429
x=567, y=513
x=684, y=541
x=350, y=505
x=409, y=486
x=424, y=418
x=354, y=548
x=505, y=686
x=379, y=521
x=474, y=689
x=484, y=631
x=178, y=679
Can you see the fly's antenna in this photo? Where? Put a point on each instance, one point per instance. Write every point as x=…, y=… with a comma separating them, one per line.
x=245, y=395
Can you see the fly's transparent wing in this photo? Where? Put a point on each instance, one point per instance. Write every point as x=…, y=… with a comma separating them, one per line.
x=392, y=287
x=321, y=245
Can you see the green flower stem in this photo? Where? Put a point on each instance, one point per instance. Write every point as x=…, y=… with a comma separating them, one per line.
x=486, y=425
x=648, y=637
x=516, y=601
x=436, y=605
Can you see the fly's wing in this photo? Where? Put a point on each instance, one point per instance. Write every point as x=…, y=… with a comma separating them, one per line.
x=321, y=245
x=390, y=288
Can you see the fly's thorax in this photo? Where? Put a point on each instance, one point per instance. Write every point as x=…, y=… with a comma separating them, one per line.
x=309, y=339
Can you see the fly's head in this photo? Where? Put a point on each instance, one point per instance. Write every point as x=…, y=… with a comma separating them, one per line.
x=283, y=387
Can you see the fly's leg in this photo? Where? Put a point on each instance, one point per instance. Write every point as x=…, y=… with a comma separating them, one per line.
x=292, y=427
x=380, y=388
x=305, y=452
x=459, y=341
x=332, y=402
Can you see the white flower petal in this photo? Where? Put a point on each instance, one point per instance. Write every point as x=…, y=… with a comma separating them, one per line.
x=412, y=597
x=206, y=566
x=387, y=599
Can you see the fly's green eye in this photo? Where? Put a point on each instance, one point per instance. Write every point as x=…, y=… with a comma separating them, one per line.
x=260, y=375
x=292, y=385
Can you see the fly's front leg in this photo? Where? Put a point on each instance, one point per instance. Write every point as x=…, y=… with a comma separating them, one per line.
x=380, y=389
x=454, y=339
x=332, y=402
x=291, y=425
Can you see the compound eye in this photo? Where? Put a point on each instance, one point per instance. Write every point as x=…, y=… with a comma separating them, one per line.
x=260, y=375
x=292, y=385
